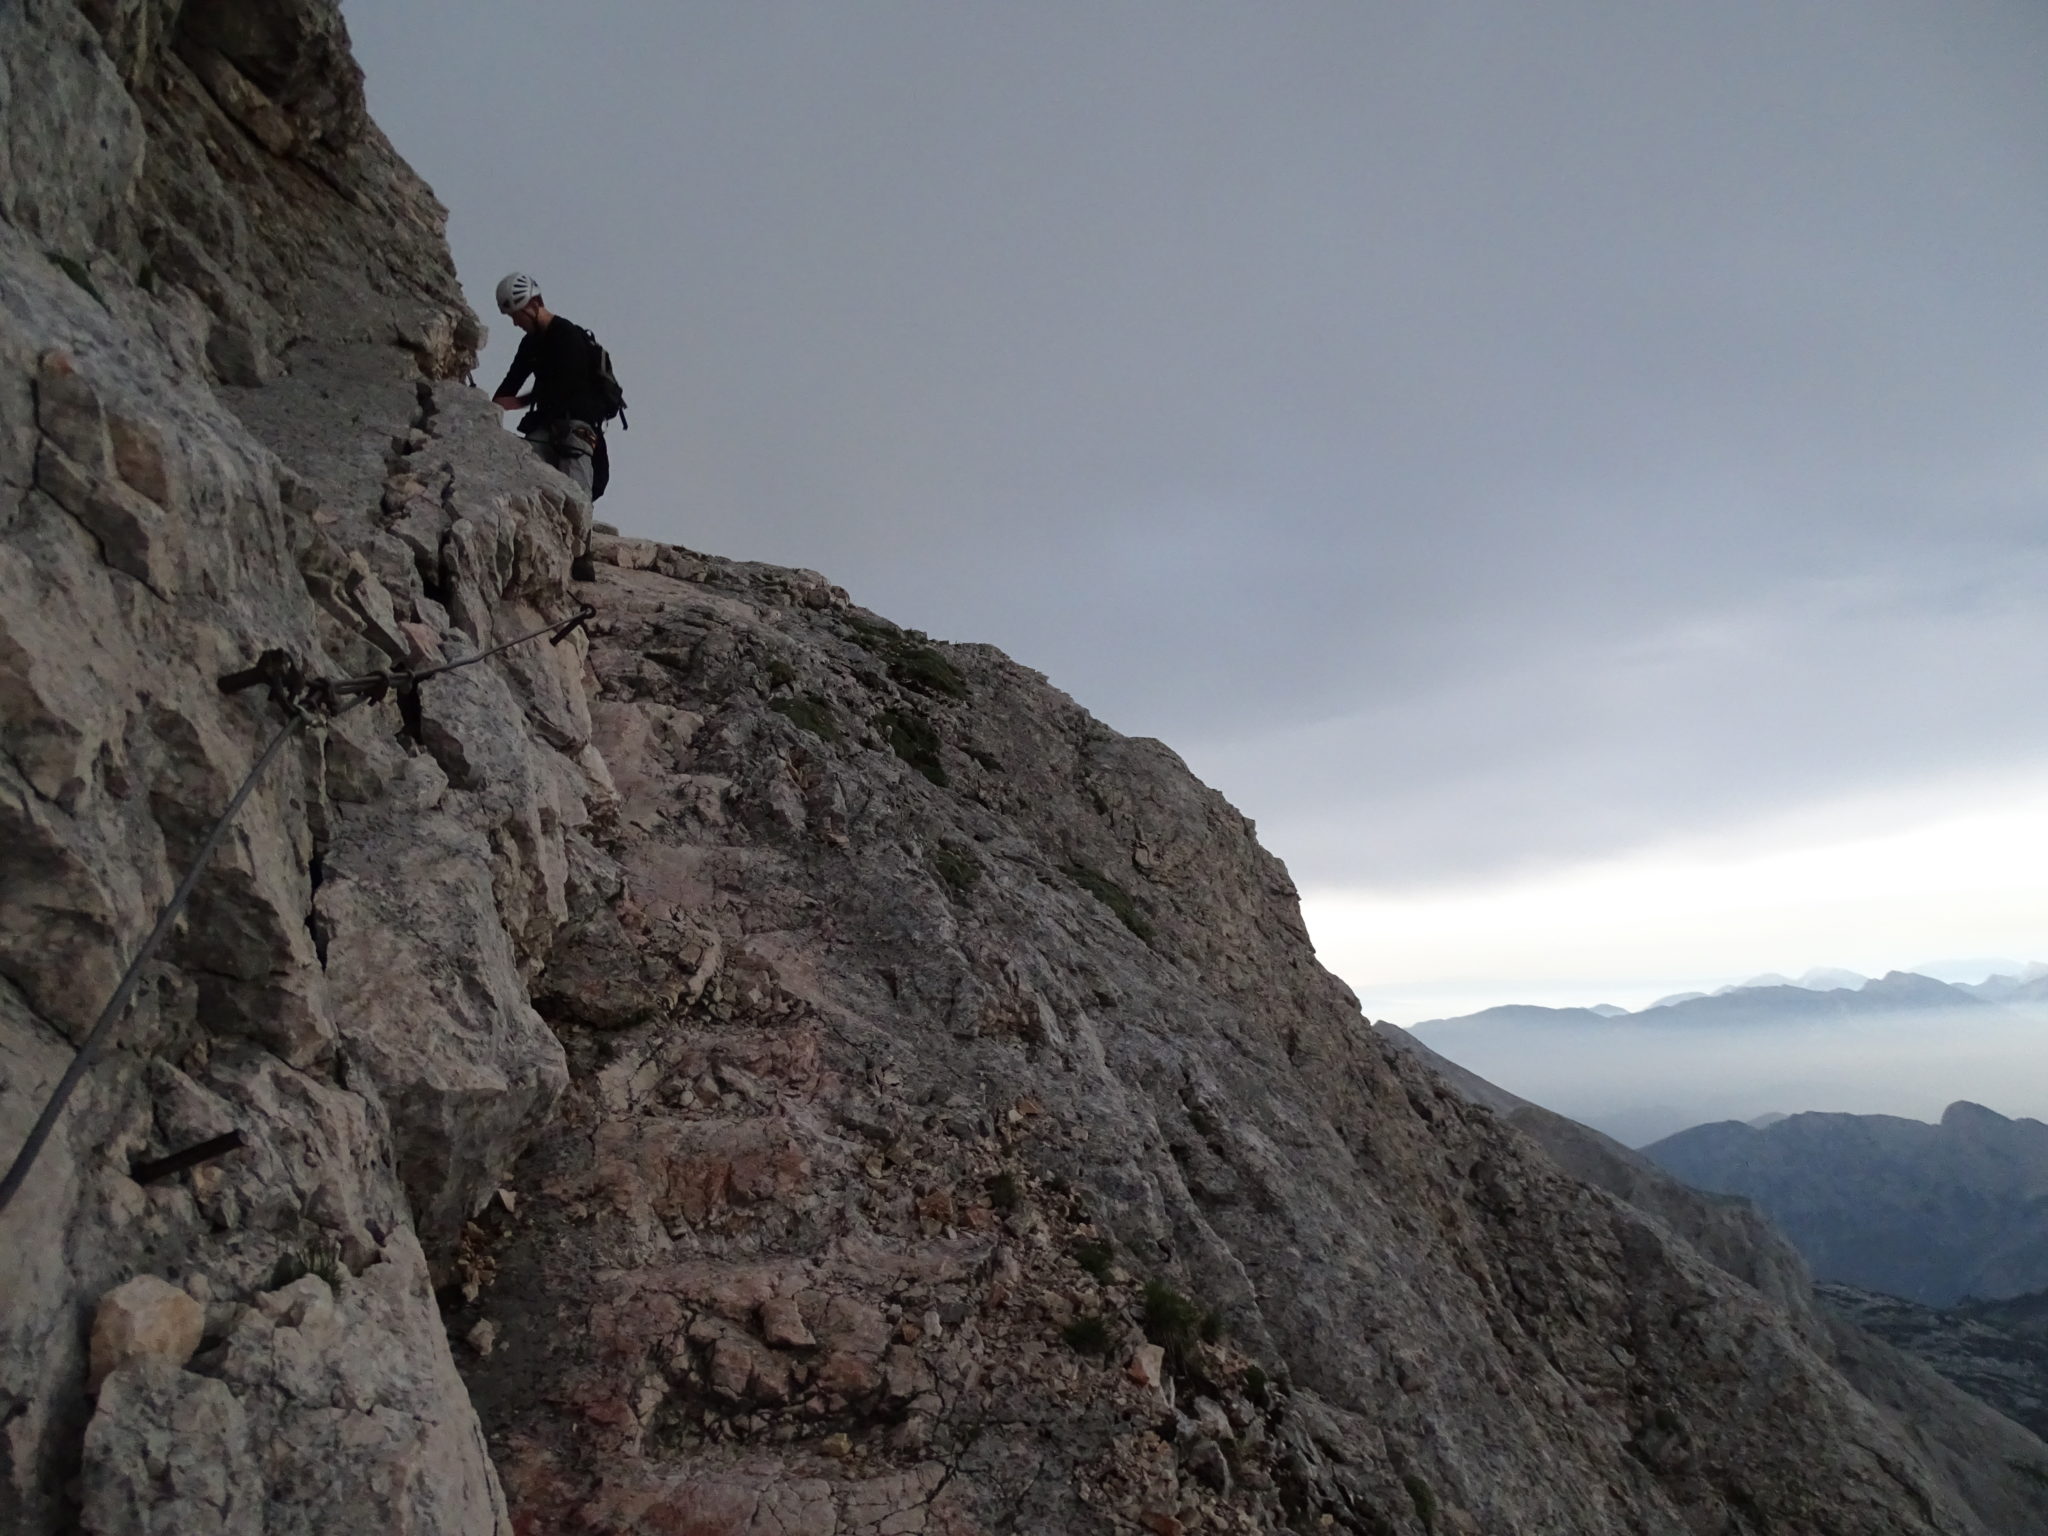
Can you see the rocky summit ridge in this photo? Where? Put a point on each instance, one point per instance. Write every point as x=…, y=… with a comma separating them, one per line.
x=749, y=1068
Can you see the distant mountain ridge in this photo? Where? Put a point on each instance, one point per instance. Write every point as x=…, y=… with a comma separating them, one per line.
x=1770, y=998
x=1932, y=1213
x=1904, y=1043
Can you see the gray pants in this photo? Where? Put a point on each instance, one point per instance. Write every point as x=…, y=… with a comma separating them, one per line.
x=569, y=451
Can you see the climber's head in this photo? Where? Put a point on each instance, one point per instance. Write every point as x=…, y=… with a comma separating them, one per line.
x=519, y=297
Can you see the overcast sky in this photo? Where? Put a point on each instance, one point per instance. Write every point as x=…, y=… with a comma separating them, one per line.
x=1544, y=463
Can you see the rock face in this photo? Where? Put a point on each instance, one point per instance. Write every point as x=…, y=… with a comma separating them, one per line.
x=1973, y=1422
x=1994, y=1350
x=226, y=316
x=1931, y=1213
x=827, y=1081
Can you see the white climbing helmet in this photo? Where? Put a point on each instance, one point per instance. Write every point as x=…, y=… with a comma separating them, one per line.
x=515, y=291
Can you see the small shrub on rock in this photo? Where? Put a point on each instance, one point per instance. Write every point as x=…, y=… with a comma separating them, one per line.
x=1172, y=1321
x=1095, y=1258
x=1087, y=1336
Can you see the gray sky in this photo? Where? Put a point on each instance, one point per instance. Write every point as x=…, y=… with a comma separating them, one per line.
x=1489, y=441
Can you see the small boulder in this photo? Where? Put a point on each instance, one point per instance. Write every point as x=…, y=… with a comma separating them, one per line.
x=1212, y=1421
x=732, y=1367
x=848, y=1375
x=146, y=1316
x=783, y=1325
x=1148, y=1366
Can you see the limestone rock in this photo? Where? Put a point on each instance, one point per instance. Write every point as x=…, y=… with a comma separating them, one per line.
x=782, y=1324
x=991, y=1055
x=147, y=1316
x=837, y=993
x=168, y=1454
x=1147, y=1366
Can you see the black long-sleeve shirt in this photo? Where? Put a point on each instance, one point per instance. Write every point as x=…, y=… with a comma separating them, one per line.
x=561, y=359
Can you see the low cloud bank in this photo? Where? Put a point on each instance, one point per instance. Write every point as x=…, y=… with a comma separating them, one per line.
x=1755, y=1052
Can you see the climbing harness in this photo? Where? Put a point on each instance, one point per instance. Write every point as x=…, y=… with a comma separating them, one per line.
x=301, y=698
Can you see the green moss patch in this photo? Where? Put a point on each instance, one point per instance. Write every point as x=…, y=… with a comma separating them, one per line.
x=916, y=741
x=925, y=670
x=811, y=713
x=910, y=660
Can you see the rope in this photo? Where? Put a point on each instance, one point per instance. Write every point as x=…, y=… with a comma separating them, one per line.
x=297, y=696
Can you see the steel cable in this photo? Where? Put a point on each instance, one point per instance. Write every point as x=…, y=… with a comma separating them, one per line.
x=297, y=696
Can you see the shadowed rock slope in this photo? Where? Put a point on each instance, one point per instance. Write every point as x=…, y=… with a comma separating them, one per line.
x=1994, y=1350
x=824, y=1081
x=1978, y=1422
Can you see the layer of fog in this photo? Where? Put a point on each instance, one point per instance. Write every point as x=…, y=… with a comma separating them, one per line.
x=1639, y=1081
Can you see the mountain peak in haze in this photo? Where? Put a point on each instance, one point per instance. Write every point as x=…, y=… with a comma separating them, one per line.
x=1928, y=1212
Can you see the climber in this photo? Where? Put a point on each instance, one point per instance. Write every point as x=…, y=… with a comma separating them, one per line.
x=573, y=395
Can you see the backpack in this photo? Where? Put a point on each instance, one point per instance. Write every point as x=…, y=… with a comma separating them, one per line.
x=606, y=383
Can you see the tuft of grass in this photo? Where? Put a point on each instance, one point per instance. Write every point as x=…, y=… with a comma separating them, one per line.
x=1112, y=896
x=780, y=673
x=811, y=713
x=77, y=271
x=1172, y=1321
x=956, y=866
x=1095, y=1257
x=909, y=658
x=1004, y=1192
x=916, y=741
x=1256, y=1385
x=925, y=670
x=872, y=634
x=318, y=1255
x=1087, y=1336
